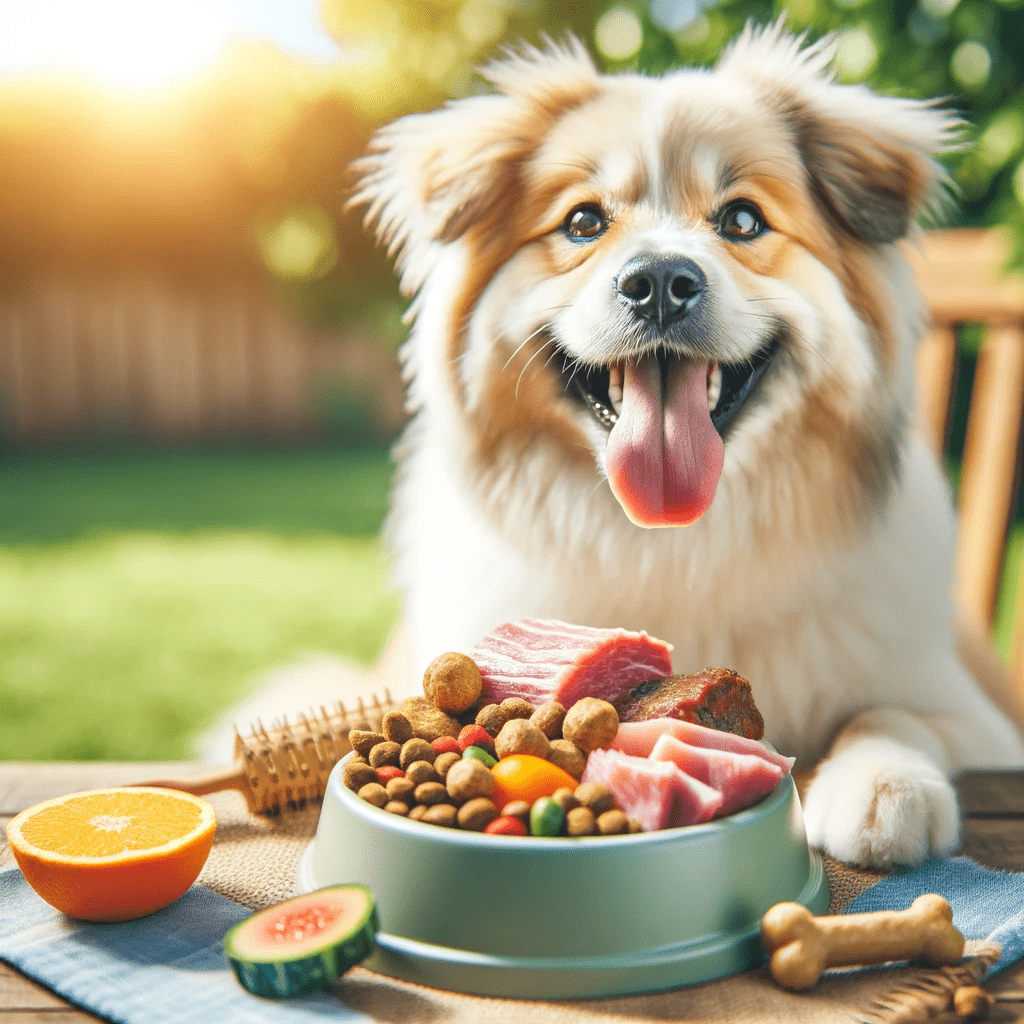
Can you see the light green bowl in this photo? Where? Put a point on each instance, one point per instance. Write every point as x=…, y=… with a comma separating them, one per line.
x=567, y=918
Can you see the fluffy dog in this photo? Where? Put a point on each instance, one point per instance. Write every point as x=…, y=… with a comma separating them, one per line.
x=678, y=302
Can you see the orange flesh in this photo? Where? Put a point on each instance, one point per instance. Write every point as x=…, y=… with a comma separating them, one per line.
x=91, y=825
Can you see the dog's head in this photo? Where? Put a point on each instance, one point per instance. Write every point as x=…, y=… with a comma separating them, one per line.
x=688, y=281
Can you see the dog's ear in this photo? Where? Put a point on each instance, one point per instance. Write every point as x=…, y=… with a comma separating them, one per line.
x=428, y=177
x=869, y=158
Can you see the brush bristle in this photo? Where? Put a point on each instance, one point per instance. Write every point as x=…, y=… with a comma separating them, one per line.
x=287, y=766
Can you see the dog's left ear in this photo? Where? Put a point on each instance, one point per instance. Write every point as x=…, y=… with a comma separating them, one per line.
x=429, y=177
x=869, y=158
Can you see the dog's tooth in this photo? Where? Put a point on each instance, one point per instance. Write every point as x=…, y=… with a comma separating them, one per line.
x=714, y=385
x=615, y=388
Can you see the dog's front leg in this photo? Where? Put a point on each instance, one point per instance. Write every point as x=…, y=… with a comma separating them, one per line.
x=883, y=797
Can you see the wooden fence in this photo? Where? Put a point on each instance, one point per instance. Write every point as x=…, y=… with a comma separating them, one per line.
x=147, y=357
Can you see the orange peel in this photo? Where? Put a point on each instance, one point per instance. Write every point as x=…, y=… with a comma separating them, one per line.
x=113, y=854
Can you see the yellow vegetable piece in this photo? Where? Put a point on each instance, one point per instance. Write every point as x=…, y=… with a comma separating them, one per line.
x=525, y=777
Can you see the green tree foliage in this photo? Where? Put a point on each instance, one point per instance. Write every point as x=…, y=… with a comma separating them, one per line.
x=970, y=52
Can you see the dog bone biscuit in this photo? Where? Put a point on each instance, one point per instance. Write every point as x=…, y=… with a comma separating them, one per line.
x=801, y=946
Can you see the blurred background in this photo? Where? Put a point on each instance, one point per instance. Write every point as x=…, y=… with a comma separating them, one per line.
x=198, y=385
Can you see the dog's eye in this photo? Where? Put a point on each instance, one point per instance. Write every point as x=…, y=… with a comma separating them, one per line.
x=741, y=220
x=584, y=222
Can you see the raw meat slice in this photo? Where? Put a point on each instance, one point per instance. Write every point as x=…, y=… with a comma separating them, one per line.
x=543, y=659
x=742, y=779
x=717, y=697
x=638, y=738
x=656, y=793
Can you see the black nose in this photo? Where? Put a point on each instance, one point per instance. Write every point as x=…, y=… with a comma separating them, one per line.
x=661, y=287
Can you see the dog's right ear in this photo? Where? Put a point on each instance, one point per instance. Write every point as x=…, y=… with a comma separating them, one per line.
x=869, y=158
x=428, y=177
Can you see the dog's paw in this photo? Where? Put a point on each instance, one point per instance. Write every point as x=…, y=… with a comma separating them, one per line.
x=879, y=803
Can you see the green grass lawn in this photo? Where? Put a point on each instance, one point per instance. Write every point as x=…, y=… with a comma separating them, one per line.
x=140, y=594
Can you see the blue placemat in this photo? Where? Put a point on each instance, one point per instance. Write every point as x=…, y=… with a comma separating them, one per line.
x=986, y=904
x=168, y=968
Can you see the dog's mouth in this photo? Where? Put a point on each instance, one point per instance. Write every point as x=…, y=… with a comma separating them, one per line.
x=729, y=385
x=667, y=415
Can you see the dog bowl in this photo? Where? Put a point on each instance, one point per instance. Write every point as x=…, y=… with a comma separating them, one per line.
x=567, y=918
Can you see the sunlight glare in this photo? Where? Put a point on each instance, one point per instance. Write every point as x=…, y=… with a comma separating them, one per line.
x=142, y=45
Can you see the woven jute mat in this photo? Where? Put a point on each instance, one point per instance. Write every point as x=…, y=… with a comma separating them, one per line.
x=254, y=862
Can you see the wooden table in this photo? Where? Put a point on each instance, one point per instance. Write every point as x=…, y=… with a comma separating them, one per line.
x=993, y=805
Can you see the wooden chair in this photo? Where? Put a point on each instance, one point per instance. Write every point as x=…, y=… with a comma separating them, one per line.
x=962, y=275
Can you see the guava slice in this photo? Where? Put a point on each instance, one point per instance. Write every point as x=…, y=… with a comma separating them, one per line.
x=305, y=943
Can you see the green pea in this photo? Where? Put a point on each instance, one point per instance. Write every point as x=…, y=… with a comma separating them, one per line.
x=546, y=817
x=479, y=754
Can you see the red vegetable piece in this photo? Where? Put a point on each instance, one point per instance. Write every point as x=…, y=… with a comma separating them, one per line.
x=388, y=772
x=506, y=825
x=447, y=745
x=476, y=736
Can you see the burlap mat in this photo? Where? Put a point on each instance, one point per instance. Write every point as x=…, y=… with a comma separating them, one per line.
x=254, y=862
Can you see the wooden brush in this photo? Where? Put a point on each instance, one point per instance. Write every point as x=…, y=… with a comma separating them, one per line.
x=287, y=765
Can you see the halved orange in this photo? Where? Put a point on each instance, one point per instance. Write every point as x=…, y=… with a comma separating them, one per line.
x=113, y=854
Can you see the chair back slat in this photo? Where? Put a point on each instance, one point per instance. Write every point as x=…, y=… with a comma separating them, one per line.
x=963, y=277
x=989, y=469
x=1017, y=648
x=935, y=362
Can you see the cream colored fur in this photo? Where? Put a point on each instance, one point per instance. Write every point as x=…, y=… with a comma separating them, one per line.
x=845, y=630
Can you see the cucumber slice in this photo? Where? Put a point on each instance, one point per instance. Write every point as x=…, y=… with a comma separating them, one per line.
x=303, y=944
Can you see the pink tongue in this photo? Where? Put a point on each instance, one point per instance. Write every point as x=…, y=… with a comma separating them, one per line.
x=664, y=457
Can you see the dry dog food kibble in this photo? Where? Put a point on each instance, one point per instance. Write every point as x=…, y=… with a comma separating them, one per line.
x=491, y=717
x=430, y=793
x=519, y=736
x=357, y=774
x=440, y=814
x=374, y=793
x=447, y=780
x=396, y=727
x=518, y=809
x=452, y=682
x=595, y=796
x=401, y=789
x=384, y=753
x=476, y=814
x=421, y=771
x=590, y=723
x=565, y=798
x=548, y=718
x=428, y=722
x=568, y=757
x=580, y=821
x=363, y=742
x=468, y=780
x=516, y=707
x=444, y=763
x=612, y=823
x=416, y=750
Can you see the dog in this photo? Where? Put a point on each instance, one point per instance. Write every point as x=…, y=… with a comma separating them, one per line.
x=660, y=377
